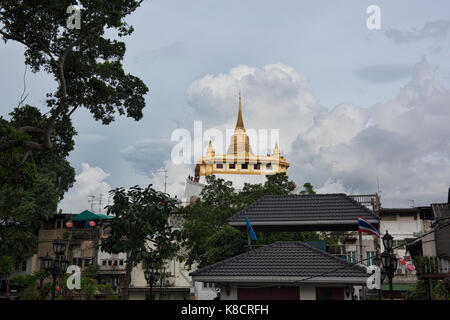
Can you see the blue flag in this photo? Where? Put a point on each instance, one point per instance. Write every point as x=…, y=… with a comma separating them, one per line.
x=250, y=229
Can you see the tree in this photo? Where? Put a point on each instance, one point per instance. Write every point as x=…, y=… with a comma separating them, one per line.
x=6, y=267
x=140, y=227
x=31, y=190
x=87, y=68
x=206, y=234
x=84, y=62
x=308, y=189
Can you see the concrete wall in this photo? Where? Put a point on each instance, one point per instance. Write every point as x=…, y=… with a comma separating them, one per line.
x=306, y=292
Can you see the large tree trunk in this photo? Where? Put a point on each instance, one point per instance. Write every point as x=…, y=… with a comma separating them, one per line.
x=127, y=279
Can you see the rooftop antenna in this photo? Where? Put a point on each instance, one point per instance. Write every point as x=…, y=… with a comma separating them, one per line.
x=91, y=200
x=413, y=204
x=165, y=178
x=100, y=202
x=378, y=185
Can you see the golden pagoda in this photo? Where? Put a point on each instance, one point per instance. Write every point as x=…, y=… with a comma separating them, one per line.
x=240, y=158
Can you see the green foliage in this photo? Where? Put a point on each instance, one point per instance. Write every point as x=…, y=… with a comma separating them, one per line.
x=31, y=286
x=308, y=189
x=86, y=64
x=107, y=291
x=140, y=227
x=441, y=291
x=6, y=264
x=224, y=243
x=88, y=288
x=31, y=190
x=206, y=234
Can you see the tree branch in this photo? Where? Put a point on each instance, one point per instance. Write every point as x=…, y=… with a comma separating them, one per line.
x=132, y=9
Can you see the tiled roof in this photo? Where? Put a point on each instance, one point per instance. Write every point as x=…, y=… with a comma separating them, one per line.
x=317, y=207
x=284, y=259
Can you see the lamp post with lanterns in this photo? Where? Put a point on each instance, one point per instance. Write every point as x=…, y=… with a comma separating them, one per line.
x=388, y=260
x=57, y=266
x=151, y=276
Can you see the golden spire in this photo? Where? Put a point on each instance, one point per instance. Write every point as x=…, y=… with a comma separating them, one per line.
x=240, y=122
x=210, y=151
x=276, y=150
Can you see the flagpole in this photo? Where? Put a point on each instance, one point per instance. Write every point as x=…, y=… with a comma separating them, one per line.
x=361, y=260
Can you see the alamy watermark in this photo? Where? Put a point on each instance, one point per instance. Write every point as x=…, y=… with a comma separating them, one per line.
x=188, y=148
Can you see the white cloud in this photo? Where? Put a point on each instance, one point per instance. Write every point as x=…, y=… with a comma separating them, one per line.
x=176, y=178
x=273, y=97
x=89, y=182
x=404, y=142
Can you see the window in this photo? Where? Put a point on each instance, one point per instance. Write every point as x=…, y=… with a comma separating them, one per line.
x=219, y=166
x=21, y=266
x=121, y=262
x=232, y=166
x=268, y=166
x=351, y=256
x=87, y=262
x=389, y=217
x=104, y=262
x=257, y=166
x=109, y=262
x=244, y=166
x=59, y=224
x=370, y=256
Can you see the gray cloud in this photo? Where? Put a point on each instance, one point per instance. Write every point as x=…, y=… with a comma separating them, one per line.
x=148, y=155
x=404, y=142
x=385, y=72
x=433, y=30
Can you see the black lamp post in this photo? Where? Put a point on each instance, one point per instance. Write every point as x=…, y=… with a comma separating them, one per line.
x=389, y=260
x=57, y=266
x=151, y=276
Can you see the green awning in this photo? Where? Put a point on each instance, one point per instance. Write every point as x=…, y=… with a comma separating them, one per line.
x=86, y=215
x=398, y=286
x=104, y=216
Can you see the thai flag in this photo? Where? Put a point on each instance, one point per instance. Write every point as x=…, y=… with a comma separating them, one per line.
x=365, y=226
x=250, y=229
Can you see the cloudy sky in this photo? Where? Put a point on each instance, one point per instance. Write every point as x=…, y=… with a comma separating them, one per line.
x=354, y=106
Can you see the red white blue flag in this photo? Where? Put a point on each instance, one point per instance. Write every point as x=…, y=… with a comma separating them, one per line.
x=365, y=226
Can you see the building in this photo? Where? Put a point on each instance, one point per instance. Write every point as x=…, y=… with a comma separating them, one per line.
x=431, y=252
x=404, y=225
x=319, y=212
x=82, y=233
x=174, y=285
x=284, y=271
x=240, y=160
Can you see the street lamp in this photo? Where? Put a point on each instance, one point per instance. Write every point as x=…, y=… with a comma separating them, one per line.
x=57, y=266
x=388, y=242
x=151, y=276
x=389, y=260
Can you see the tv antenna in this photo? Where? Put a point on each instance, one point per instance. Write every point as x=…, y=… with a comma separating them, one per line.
x=165, y=178
x=91, y=200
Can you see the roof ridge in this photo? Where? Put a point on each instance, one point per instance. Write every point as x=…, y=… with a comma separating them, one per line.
x=229, y=259
x=327, y=254
x=340, y=261
x=253, y=204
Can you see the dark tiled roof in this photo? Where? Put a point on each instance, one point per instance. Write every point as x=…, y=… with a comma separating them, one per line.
x=317, y=207
x=283, y=259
